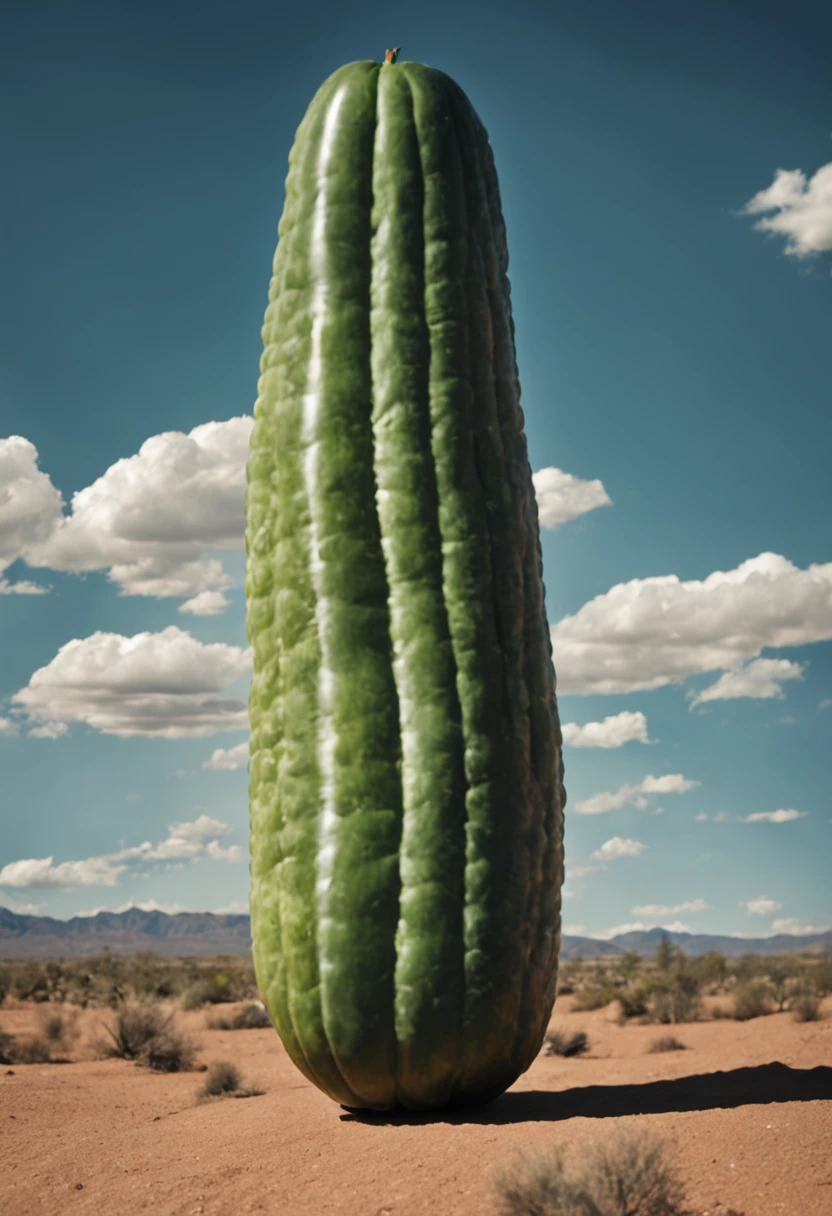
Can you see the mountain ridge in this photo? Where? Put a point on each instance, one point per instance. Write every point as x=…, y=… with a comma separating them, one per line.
x=26, y=936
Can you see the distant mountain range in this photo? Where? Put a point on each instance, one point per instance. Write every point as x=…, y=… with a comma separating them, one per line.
x=202, y=933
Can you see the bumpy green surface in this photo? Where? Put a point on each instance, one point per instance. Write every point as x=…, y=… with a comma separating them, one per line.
x=406, y=775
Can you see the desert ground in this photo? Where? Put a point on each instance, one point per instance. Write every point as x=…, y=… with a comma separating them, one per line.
x=745, y=1110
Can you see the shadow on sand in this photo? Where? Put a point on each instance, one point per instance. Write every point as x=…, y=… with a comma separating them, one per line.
x=704, y=1091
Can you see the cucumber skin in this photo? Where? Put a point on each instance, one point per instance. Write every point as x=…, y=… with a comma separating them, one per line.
x=406, y=772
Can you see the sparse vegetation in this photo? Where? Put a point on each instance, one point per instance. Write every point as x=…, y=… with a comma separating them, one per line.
x=224, y=1081
x=806, y=1007
x=560, y=1043
x=170, y=1051
x=132, y=1028
x=626, y=1175
x=751, y=1000
x=253, y=1016
x=666, y=1042
x=108, y=981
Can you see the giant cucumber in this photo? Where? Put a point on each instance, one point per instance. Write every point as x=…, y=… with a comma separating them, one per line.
x=406, y=775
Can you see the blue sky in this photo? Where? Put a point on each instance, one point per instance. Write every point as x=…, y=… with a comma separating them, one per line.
x=666, y=175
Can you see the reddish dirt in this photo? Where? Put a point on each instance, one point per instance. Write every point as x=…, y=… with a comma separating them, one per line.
x=746, y=1112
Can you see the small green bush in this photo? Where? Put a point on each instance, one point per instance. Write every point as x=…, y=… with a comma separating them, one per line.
x=667, y=1042
x=806, y=1007
x=133, y=1027
x=170, y=1051
x=592, y=997
x=559, y=1043
x=626, y=1175
x=751, y=1000
x=224, y=1081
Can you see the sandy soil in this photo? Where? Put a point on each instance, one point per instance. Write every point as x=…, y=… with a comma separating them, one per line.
x=746, y=1111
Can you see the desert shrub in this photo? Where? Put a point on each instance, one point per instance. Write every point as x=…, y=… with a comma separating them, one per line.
x=214, y=989
x=224, y=1081
x=806, y=1007
x=253, y=1016
x=133, y=1027
x=7, y=1042
x=751, y=1000
x=30, y=983
x=5, y=983
x=666, y=1042
x=35, y=1050
x=674, y=992
x=565, y=988
x=559, y=1043
x=624, y=1176
x=169, y=1051
x=594, y=997
x=59, y=1028
x=633, y=1000
x=821, y=974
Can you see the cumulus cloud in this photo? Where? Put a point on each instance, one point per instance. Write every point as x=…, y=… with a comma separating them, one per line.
x=30, y=506
x=652, y=632
x=761, y=905
x=143, y=905
x=561, y=496
x=617, y=847
x=161, y=685
x=635, y=795
x=614, y=731
x=759, y=680
x=185, y=841
x=652, y=911
x=225, y=759
x=8, y=727
x=800, y=928
x=802, y=210
x=237, y=907
x=49, y=730
x=149, y=519
x=782, y=816
x=575, y=869
x=574, y=930
x=207, y=603
x=22, y=587
x=638, y=926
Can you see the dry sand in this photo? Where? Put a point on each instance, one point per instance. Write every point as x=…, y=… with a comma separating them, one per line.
x=746, y=1112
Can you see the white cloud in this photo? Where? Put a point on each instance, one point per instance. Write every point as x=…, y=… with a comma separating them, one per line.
x=575, y=869
x=759, y=680
x=634, y=795
x=24, y=587
x=143, y=905
x=160, y=685
x=654, y=911
x=225, y=759
x=652, y=632
x=149, y=519
x=639, y=927
x=701, y=817
x=217, y=852
x=30, y=506
x=761, y=905
x=802, y=210
x=561, y=496
x=185, y=841
x=782, y=816
x=207, y=603
x=9, y=727
x=800, y=928
x=237, y=907
x=614, y=731
x=39, y=873
x=574, y=930
x=616, y=847
x=49, y=730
